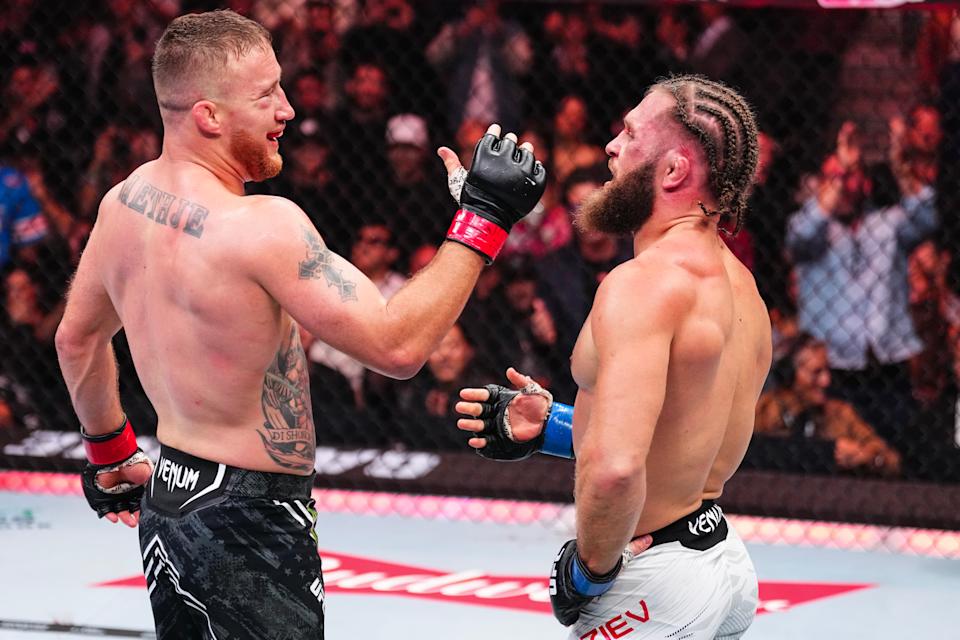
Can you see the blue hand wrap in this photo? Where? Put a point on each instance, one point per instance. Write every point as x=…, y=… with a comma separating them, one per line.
x=558, y=432
x=583, y=583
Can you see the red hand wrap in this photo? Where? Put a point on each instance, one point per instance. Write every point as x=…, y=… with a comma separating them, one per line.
x=111, y=447
x=477, y=233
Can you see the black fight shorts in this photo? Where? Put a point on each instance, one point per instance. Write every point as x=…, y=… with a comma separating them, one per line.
x=230, y=553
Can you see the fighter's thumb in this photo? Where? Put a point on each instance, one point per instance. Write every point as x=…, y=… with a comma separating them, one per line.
x=450, y=160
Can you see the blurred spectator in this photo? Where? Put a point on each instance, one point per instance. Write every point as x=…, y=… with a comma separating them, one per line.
x=35, y=118
x=674, y=32
x=311, y=43
x=434, y=391
x=937, y=47
x=310, y=97
x=427, y=401
x=124, y=80
x=360, y=124
x=851, y=258
x=15, y=408
x=915, y=143
x=938, y=424
x=569, y=277
x=374, y=253
x=931, y=307
x=387, y=32
x=548, y=227
x=416, y=186
x=802, y=410
x=119, y=149
x=486, y=318
x=766, y=219
x=21, y=221
x=482, y=59
x=572, y=148
x=27, y=353
x=719, y=48
x=531, y=343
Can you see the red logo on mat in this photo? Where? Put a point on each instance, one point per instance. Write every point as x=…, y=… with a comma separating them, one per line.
x=352, y=574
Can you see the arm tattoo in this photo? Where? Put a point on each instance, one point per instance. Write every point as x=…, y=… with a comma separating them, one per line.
x=288, y=432
x=320, y=262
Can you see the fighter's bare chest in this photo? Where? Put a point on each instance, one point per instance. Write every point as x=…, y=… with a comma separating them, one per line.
x=584, y=360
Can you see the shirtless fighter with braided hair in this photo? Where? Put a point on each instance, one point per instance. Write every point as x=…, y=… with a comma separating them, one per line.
x=669, y=364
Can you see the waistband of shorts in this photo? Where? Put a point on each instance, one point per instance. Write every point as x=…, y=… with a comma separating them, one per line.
x=184, y=479
x=700, y=530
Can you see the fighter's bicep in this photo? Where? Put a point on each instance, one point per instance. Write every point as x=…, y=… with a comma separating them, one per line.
x=633, y=340
x=323, y=292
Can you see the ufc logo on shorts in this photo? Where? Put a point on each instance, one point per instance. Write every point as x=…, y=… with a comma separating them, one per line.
x=619, y=625
x=317, y=589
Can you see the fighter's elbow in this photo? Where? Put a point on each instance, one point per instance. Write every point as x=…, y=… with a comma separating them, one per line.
x=402, y=363
x=68, y=341
x=614, y=476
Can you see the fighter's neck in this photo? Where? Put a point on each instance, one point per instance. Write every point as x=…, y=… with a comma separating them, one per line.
x=221, y=168
x=663, y=224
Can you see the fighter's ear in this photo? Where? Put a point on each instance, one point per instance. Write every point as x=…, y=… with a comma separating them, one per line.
x=207, y=117
x=678, y=169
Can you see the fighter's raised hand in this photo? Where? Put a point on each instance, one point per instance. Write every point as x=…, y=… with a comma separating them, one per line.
x=504, y=183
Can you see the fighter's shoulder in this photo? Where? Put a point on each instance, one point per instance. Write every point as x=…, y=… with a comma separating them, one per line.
x=648, y=275
x=271, y=217
x=647, y=289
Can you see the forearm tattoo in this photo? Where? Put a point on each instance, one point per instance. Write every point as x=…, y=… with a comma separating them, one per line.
x=288, y=432
x=320, y=262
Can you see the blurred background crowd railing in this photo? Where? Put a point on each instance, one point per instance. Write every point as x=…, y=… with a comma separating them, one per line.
x=851, y=233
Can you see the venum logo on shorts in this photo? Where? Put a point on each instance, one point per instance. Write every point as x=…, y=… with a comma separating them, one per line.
x=620, y=625
x=177, y=476
x=706, y=522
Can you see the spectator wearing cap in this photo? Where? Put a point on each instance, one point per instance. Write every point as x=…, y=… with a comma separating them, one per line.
x=416, y=185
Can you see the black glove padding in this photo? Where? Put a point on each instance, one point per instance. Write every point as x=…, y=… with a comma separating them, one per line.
x=565, y=598
x=504, y=183
x=500, y=446
x=122, y=497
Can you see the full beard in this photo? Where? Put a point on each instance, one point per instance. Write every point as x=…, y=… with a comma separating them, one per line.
x=259, y=162
x=623, y=206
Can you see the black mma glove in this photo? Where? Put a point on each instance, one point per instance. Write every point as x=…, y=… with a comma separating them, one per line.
x=496, y=428
x=556, y=437
x=504, y=184
x=573, y=585
x=106, y=453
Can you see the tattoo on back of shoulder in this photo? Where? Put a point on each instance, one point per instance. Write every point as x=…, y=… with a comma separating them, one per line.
x=320, y=263
x=163, y=208
x=288, y=433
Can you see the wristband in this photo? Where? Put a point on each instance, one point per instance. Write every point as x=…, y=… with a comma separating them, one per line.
x=110, y=448
x=587, y=584
x=478, y=233
x=558, y=431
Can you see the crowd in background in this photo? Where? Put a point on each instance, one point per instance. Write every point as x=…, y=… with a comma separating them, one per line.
x=851, y=230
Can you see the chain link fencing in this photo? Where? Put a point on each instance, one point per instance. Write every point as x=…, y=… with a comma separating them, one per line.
x=850, y=233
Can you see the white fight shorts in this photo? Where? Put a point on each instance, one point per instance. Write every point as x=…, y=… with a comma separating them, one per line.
x=696, y=582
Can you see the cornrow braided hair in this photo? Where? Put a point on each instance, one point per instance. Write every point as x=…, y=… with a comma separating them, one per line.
x=723, y=122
